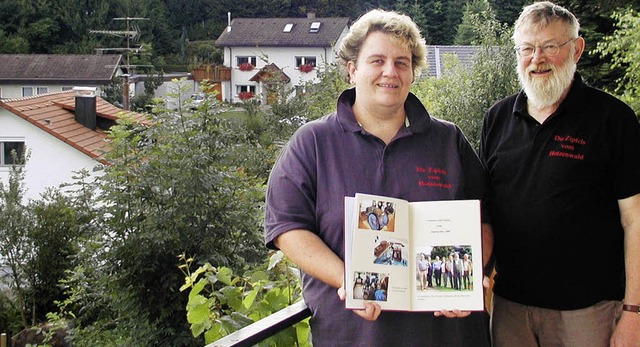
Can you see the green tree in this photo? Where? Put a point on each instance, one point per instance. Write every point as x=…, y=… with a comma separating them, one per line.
x=39, y=241
x=464, y=93
x=596, y=22
x=171, y=189
x=13, y=43
x=416, y=11
x=15, y=244
x=267, y=128
x=441, y=17
x=51, y=25
x=474, y=12
x=623, y=48
x=95, y=302
x=508, y=10
x=54, y=237
x=321, y=95
x=9, y=316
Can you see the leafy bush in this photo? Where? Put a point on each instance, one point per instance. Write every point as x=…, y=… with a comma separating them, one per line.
x=221, y=302
x=172, y=187
x=464, y=93
x=10, y=322
x=623, y=46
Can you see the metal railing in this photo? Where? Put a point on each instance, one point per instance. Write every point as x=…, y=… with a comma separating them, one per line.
x=266, y=327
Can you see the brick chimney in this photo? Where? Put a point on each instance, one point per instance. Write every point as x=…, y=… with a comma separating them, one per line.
x=86, y=106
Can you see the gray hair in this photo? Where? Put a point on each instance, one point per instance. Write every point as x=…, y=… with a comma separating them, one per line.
x=539, y=15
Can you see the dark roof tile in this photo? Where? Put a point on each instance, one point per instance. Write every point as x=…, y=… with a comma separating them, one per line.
x=59, y=67
x=436, y=57
x=267, y=32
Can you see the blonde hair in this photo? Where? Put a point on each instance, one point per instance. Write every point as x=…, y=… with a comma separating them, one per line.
x=399, y=26
x=539, y=15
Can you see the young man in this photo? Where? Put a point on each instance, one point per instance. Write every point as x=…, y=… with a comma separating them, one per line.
x=378, y=141
x=564, y=166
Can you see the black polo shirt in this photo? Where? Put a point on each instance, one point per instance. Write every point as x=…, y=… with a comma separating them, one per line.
x=554, y=197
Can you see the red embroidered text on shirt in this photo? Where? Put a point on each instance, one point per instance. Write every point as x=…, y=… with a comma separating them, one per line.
x=569, y=146
x=434, y=177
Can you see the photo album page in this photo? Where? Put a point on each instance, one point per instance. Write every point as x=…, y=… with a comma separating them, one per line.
x=413, y=256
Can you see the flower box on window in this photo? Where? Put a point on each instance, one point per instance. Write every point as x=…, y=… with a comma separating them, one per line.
x=245, y=67
x=245, y=95
x=305, y=68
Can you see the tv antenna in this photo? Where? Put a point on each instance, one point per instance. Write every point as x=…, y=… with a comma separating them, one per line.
x=132, y=33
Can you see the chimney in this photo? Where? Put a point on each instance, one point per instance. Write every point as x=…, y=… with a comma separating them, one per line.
x=86, y=106
x=311, y=14
x=228, y=21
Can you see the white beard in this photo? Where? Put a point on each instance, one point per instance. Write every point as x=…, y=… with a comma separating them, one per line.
x=546, y=91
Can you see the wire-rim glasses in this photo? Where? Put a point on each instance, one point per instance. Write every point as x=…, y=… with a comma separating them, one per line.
x=549, y=49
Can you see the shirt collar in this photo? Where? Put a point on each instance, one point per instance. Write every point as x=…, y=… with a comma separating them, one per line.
x=417, y=119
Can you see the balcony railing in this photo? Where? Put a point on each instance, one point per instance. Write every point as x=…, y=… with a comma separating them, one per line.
x=266, y=327
x=211, y=73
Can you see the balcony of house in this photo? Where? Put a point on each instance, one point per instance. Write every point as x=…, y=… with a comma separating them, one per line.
x=211, y=73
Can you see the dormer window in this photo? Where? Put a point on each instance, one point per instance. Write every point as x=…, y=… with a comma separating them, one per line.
x=315, y=27
x=287, y=28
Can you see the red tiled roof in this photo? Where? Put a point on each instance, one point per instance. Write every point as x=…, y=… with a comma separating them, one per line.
x=55, y=114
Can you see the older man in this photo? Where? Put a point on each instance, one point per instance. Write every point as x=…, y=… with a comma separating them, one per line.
x=564, y=166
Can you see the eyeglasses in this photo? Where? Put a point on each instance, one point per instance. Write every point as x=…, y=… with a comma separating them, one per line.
x=549, y=49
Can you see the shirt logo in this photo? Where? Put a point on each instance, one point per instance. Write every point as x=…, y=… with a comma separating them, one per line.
x=433, y=177
x=567, y=146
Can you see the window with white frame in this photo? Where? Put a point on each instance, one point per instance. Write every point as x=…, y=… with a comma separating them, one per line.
x=64, y=89
x=11, y=151
x=27, y=91
x=244, y=88
x=305, y=61
x=42, y=90
x=246, y=59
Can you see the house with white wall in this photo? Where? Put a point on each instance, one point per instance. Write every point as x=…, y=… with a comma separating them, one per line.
x=298, y=47
x=63, y=133
x=253, y=46
x=24, y=75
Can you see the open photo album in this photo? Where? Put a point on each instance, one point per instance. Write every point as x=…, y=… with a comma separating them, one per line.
x=413, y=256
